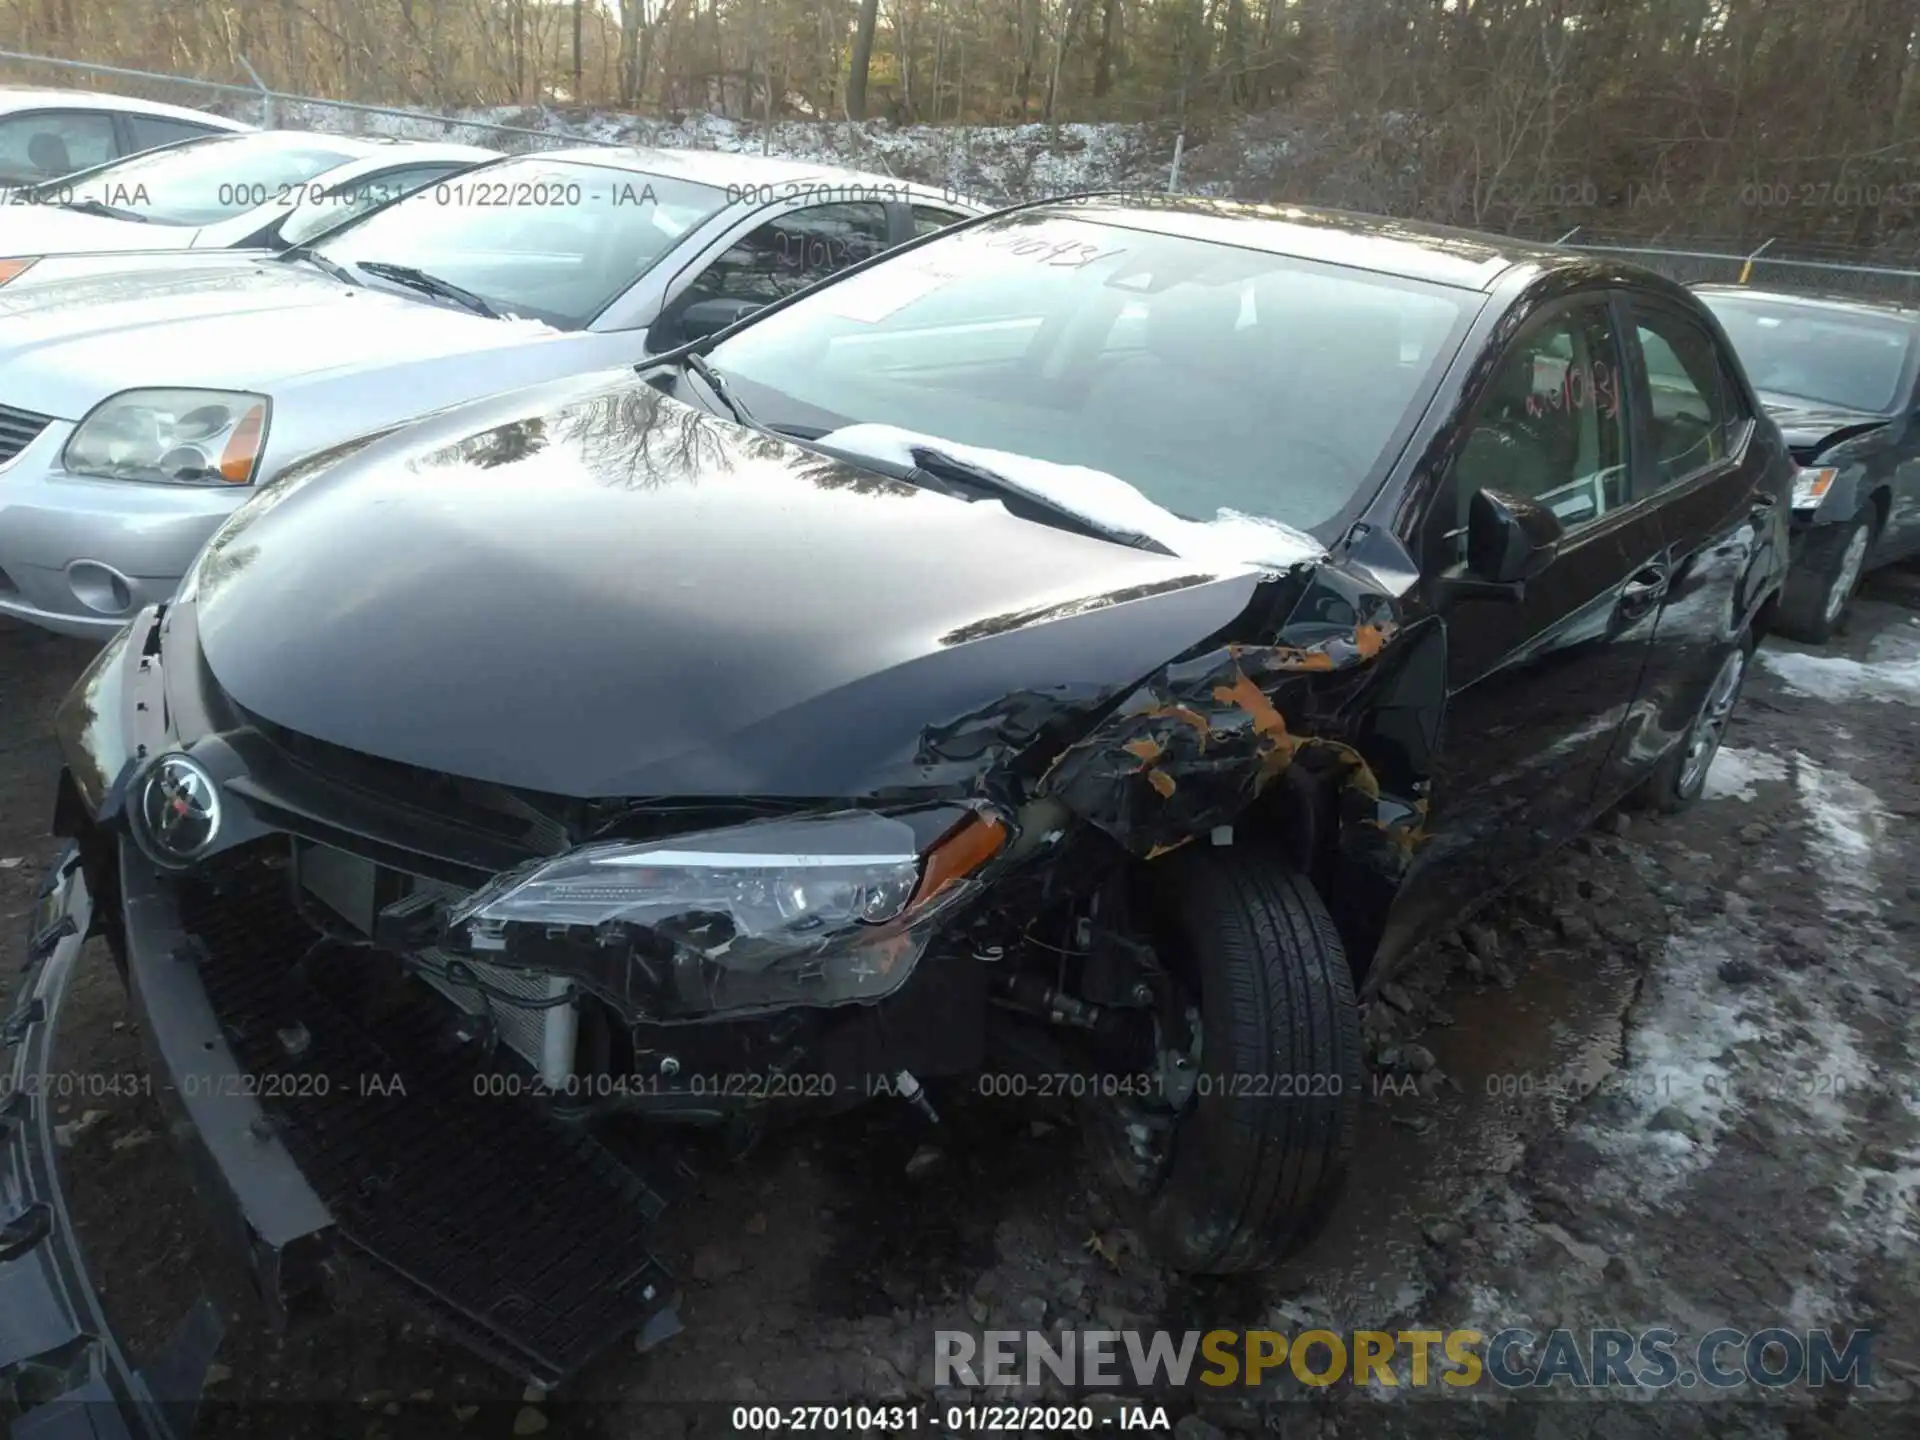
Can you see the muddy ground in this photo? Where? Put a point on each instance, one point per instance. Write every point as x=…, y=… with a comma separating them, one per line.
x=1671, y=1080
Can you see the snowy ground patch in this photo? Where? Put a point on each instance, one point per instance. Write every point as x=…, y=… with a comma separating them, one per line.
x=1891, y=673
x=997, y=163
x=1675, y=1096
x=1736, y=772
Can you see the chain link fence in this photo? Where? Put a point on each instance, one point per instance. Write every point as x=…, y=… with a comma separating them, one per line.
x=259, y=104
x=1772, y=265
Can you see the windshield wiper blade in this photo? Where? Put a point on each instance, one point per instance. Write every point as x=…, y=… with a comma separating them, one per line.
x=418, y=279
x=332, y=267
x=943, y=466
x=100, y=207
x=736, y=407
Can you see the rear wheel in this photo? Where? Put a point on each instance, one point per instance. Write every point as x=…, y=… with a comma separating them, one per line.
x=1822, y=582
x=1680, y=777
x=1253, y=1151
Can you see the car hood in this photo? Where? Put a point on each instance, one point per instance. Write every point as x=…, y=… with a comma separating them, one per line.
x=68, y=343
x=1810, y=426
x=49, y=230
x=619, y=595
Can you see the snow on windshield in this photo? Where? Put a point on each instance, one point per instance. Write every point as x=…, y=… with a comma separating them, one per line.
x=1106, y=500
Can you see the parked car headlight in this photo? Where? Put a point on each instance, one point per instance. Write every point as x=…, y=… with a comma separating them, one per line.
x=1810, y=487
x=185, y=437
x=818, y=910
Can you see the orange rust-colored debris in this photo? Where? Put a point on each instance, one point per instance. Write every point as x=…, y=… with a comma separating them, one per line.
x=1267, y=720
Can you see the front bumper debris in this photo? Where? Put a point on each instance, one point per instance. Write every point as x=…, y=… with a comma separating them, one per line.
x=522, y=1237
x=69, y=1373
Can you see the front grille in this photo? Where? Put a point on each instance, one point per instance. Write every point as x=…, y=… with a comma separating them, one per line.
x=526, y=1235
x=18, y=429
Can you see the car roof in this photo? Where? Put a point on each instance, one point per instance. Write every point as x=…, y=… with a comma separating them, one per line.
x=408, y=150
x=731, y=168
x=1439, y=254
x=1818, y=300
x=22, y=97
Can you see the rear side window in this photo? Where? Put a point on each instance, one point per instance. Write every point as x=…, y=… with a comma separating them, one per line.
x=49, y=143
x=150, y=131
x=1692, y=417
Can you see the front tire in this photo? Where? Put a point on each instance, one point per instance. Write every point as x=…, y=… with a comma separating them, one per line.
x=1258, y=1151
x=1822, y=582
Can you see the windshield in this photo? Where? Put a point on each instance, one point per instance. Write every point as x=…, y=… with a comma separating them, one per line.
x=552, y=240
x=206, y=180
x=1219, y=382
x=1807, y=352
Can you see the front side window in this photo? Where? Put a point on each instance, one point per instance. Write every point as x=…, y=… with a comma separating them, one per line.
x=1211, y=377
x=1551, y=426
x=791, y=252
x=1818, y=354
x=551, y=240
x=207, y=180
x=1691, y=416
x=927, y=219
x=49, y=143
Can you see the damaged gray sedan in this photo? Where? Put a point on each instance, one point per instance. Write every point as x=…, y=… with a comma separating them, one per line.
x=1085, y=650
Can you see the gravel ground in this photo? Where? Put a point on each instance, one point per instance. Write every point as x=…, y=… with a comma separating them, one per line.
x=1670, y=1080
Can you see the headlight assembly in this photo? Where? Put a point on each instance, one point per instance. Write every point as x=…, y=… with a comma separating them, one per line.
x=817, y=910
x=13, y=267
x=1810, y=487
x=183, y=437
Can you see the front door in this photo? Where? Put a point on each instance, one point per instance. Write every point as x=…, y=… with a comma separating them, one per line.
x=1538, y=685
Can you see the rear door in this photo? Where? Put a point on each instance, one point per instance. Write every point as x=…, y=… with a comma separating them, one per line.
x=1539, y=686
x=1698, y=465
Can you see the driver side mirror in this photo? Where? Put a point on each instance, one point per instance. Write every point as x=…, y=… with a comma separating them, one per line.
x=1510, y=540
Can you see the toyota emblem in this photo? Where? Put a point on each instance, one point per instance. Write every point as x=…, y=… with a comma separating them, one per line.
x=179, y=808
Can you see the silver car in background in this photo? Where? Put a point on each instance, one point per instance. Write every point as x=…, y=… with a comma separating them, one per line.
x=269, y=189
x=45, y=134
x=143, y=397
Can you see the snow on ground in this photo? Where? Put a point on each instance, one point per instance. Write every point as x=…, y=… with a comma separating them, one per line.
x=1675, y=1093
x=993, y=162
x=1736, y=772
x=1891, y=671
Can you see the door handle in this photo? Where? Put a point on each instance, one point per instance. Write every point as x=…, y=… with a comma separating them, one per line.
x=1646, y=589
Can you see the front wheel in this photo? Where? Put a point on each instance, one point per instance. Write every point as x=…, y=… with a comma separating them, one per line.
x=1257, y=1148
x=1822, y=581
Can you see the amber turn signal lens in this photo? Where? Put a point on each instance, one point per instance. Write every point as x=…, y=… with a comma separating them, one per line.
x=957, y=854
x=243, y=447
x=13, y=269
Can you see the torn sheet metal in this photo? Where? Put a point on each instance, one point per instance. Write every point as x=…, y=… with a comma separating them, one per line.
x=1201, y=738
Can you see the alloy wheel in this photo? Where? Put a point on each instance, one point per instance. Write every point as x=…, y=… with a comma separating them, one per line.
x=1710, y=725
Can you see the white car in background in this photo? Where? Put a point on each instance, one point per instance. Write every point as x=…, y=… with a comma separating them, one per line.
x=45, y=134
x=266, y=190
x=142, y=397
